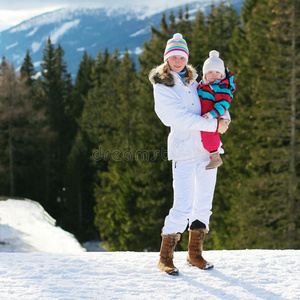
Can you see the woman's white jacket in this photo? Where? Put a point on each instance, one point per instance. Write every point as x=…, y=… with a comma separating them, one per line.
x=178, y=106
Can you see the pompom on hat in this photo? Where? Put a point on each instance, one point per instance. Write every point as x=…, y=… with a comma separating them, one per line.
x=176, y=46
x=214, y=63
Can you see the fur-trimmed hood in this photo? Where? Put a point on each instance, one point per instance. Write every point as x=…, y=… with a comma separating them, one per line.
x=157, y=75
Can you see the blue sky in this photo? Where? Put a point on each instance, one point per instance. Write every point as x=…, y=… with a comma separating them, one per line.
x=13, y=12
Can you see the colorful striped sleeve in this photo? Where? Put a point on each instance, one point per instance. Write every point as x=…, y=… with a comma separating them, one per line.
x=223, y=98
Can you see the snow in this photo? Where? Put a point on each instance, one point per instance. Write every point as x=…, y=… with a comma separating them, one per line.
x=32, y=32
x=248, y=274
x=142, y=31
x=40, y=272
x=139, y=12
x=36, y=46
x=55, y=34
x=63, y=29
x=138, y=50
x=26, y=227
x=69, y=13
x=12, y=45
x=59, y=15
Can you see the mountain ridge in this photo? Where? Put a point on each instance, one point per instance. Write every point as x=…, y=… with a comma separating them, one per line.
x=88, y=29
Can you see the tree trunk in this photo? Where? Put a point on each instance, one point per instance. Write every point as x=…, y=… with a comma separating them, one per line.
x=10, y=143
x=293, y=175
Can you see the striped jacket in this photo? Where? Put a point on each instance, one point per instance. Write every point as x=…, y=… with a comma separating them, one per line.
x=216, y=97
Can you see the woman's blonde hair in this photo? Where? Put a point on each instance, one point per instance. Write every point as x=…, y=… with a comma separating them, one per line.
x=164, y=71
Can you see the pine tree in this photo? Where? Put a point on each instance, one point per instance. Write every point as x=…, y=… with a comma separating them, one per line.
x=266, y=76
x=57, y=89
x=95, y=125
x=27, y=70
x=30, y=180
x=95, y=113
x=8, y=116
x=220, y=25
x=80, y=173
x=83, y=83
x=80, y=181
x=199, y=46
x=120, y=112
x=3, y=63
x=184, y=25
x=21, y=134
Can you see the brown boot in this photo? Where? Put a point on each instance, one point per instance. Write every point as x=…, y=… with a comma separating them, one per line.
x=195, y=258
x=215, y=161
x=168, y=245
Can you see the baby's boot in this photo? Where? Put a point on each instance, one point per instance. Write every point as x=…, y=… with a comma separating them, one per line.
x=215, y=160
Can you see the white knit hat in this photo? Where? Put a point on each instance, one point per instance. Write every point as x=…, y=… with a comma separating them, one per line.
x=213, y=63
x=176, y=46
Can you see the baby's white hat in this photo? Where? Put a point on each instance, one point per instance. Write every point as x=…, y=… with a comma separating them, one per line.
x=213, y=63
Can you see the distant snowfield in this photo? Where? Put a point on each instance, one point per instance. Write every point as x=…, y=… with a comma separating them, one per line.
x=64, y=271
x=59, y=32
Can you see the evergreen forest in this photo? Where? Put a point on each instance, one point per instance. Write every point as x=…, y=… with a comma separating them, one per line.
x=92, y=151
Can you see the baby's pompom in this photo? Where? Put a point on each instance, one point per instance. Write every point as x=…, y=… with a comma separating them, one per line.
x=214, y=53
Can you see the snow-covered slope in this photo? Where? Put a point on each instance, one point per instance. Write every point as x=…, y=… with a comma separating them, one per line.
x=69, y=273
x=26, y=227
x=87, y=29
x=238, y=275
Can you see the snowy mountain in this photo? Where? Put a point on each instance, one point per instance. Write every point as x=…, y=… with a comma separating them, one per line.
x=41, y=261
x=87, y=29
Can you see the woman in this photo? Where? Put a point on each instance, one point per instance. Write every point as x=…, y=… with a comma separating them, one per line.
x=177, y=105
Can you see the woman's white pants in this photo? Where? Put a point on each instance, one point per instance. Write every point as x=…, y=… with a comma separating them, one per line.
x=193, y=194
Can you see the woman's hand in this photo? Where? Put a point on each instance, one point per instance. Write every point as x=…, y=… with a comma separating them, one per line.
x=223, y=126
x=208, y=116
